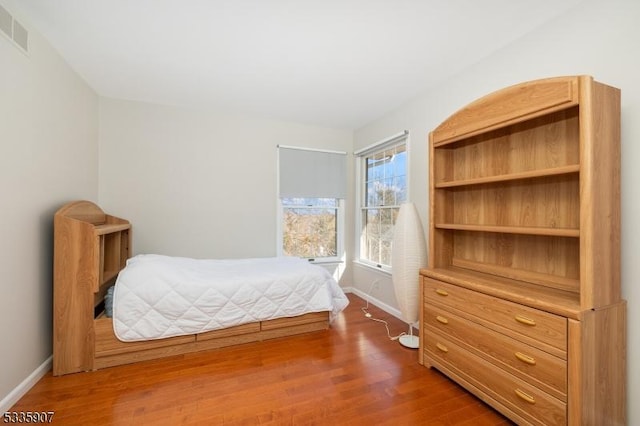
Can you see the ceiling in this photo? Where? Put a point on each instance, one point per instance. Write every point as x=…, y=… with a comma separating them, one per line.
x=334, y=63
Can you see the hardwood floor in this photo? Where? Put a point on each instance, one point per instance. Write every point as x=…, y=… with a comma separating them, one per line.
x=351, y=374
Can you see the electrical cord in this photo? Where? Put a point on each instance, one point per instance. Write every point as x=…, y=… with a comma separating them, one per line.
x=367, y=314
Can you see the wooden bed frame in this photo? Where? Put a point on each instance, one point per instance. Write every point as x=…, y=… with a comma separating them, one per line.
x=90, y=249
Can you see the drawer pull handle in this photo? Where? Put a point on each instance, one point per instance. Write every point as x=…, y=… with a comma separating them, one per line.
x=442, y=292
x=442, y=319
x=524, y=320
x=525, y=396
x=525, y=358
x=442, y=347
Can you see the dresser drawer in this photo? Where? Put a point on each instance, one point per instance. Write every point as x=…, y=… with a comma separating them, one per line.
x=527, y=401
x=537, y=367
x=531, y=324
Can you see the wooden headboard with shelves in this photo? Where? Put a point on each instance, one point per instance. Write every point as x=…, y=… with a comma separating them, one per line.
x=90, y=248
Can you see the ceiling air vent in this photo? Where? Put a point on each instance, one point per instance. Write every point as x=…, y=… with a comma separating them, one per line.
x=14, y=30
x=5, y=21
x=20, y=35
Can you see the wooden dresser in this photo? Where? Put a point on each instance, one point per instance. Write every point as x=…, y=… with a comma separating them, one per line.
x=521, y=301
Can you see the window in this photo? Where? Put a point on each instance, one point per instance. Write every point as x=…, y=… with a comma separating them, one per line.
x=310, y=227
x=382, y=183
x=312, y=186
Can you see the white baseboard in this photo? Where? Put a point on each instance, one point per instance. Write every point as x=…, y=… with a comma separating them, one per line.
x=20, y=390
x=379, y=304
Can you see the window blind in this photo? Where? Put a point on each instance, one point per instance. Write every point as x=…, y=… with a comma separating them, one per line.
x=309, y=173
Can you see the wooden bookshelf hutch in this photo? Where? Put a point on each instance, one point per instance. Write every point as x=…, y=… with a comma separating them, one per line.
x=521, y=300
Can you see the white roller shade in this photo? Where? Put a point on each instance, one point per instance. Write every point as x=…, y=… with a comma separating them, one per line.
x=307, y=173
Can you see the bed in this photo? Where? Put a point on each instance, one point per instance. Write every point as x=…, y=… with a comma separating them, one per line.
x=165, y=306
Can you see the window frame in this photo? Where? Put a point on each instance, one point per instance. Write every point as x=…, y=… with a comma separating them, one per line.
x=361, y=192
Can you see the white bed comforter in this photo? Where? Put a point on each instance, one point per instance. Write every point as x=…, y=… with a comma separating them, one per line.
x=160, y=296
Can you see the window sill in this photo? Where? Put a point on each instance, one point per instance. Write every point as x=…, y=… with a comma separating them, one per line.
x=372, y=267
x=326, y=262
x=319, y=261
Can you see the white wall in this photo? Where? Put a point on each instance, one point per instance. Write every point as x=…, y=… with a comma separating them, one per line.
x=596, y=38
x=49, y=142
x=197, y=183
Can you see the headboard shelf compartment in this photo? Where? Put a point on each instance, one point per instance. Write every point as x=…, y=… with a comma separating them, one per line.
x=114, y=251
x=110, y=228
